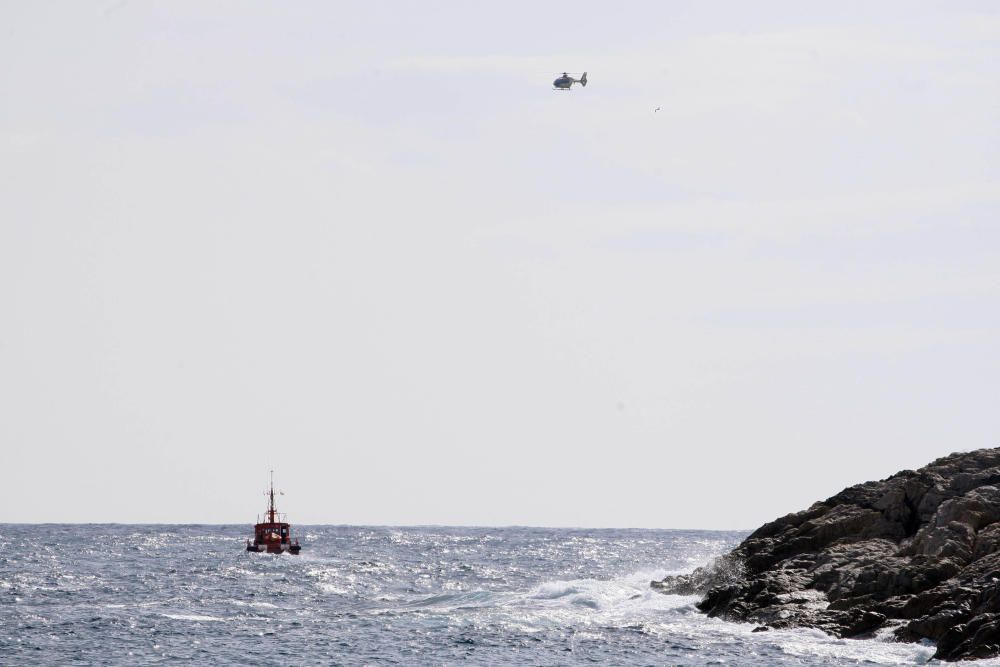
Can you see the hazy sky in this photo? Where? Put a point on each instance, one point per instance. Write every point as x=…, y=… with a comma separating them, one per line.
x=367, y=245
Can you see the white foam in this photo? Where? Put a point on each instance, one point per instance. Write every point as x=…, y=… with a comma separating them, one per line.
x=614, y=597
x=588, y=605
x=194, y=617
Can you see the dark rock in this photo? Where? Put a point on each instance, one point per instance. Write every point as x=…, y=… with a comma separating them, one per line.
x=920, y=549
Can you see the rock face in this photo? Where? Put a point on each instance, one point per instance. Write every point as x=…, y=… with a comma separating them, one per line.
x=917, y=553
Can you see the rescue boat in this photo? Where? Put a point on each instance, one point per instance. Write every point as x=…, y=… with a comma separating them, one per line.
x=274, y=533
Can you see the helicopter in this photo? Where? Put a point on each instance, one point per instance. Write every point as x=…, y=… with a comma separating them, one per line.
x=565, y=82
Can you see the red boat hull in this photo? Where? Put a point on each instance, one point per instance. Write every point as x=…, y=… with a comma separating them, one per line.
x=275, y=548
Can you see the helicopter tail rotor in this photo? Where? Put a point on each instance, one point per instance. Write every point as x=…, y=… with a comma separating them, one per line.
x=583, y=79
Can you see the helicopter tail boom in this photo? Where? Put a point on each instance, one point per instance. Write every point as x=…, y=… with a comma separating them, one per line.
x=583, y=79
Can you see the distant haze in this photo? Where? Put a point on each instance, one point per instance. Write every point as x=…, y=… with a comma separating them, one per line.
x=365, y=244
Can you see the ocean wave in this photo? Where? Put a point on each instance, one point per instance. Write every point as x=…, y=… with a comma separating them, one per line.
x=421, y=595
x=193, y=617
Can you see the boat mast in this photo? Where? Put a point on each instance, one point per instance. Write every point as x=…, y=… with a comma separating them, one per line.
x=270, y=509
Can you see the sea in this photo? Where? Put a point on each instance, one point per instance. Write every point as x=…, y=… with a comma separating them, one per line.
x=192, y=595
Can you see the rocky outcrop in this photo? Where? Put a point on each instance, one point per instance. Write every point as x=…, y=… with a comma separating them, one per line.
x=917, y=553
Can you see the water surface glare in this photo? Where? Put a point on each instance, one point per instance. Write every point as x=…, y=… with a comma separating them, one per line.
x=155, y=594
